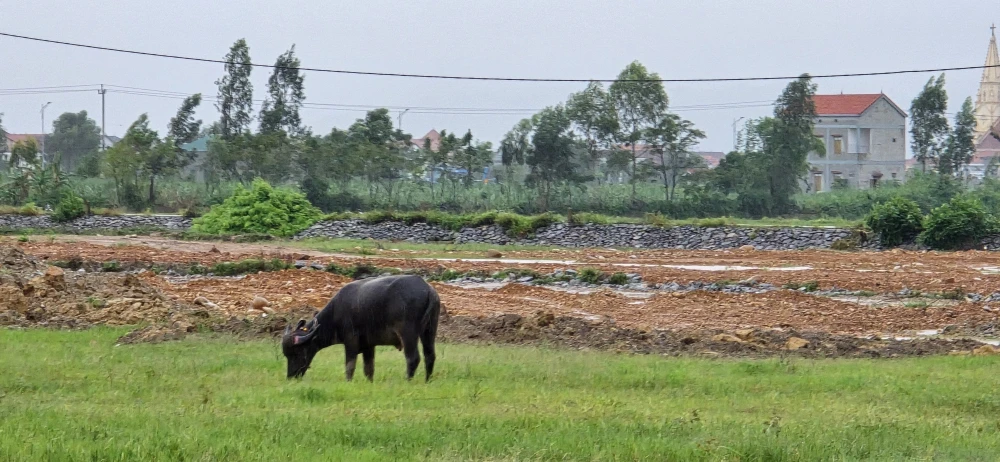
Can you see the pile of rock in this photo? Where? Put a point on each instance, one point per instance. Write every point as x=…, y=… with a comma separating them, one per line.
x=96, y=222
x=594, y=235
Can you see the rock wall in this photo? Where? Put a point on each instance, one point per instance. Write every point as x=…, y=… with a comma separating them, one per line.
x=592, y=235
x=95, y=222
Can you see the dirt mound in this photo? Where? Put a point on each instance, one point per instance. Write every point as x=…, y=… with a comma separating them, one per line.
x=286, y=290
x=35, y=294
x=546, y=329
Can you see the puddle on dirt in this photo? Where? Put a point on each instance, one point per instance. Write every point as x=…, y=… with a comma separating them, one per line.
x=716, y=267
x=504, y=260
x=624, y=265
x=989, y=269
x=936, y=333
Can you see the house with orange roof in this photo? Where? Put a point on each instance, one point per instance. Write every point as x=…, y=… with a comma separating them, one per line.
x=865, y=140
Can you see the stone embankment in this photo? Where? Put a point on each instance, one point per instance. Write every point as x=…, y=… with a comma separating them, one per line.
x=593, y=235
x=169, y=222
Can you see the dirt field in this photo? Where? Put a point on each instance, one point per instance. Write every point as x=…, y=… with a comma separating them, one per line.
x=699, y=321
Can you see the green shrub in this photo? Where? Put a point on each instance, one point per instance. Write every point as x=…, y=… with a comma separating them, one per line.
x=30, y=210
x=590, y=275
x=70, y=207
x=712, y=223
x=249, y=266
x=584, y=218
x=618, y=279
x=957, y=224
x=656, y=219
x=261, y=209
x=897, y=221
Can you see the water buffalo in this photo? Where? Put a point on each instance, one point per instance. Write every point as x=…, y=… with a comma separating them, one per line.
x=390, y=310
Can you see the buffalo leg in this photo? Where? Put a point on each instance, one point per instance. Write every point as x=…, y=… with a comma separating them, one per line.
x=351, y=363
x=412, y=356
x=427, y=340
x=368, y=355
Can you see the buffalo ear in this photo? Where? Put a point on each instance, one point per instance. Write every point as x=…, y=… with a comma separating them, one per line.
x=300, y=339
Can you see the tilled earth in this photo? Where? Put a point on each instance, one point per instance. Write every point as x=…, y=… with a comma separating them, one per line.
x=761, y=324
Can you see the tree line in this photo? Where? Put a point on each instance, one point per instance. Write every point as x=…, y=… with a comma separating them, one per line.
x=620, y=133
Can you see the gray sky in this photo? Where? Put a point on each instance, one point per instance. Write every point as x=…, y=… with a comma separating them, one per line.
x=513, y=38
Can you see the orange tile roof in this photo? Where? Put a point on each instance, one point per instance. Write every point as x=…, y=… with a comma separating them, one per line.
x=843, y=104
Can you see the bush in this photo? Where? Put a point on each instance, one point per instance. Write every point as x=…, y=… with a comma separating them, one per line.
x=590, y=275
x=261, y=209
x=959, y=223
x=897, y=221
x=30, y=210
x=70, y=207
x=618, y=279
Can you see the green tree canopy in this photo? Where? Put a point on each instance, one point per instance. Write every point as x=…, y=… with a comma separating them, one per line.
x=929, y=126
x=74, y=137
x=960, y=145
x=639, y=101
x=235, y=99
x=285, y=94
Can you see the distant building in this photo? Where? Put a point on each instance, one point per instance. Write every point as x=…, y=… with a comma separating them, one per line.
x=865, y=140
x=433, y=136
x=196, y=169
x=987, y=114
x=14, y=138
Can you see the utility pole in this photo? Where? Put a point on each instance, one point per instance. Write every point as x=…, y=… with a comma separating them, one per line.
x=399, y=123
x=104, y=135
x=734, y=132
x=43, y=131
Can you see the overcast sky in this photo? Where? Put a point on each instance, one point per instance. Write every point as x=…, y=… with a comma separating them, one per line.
x=513, y=38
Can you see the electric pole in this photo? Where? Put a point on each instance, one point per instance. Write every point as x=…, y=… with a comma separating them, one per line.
x=399, y=123
x=104, y=135
x=734, y=133
x=43, y=131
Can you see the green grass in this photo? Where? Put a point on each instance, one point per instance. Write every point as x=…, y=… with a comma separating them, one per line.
x=67, y=396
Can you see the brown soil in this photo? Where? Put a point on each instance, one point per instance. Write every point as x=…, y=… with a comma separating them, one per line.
x=663, y=323
x=876, y=271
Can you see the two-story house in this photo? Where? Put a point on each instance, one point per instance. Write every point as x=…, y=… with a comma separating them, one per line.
x=865, y=139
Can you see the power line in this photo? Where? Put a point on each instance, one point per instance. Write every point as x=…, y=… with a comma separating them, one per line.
x=498, y=79
x=166, y=94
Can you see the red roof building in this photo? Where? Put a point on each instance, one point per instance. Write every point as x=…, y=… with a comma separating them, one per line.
x=865, y=140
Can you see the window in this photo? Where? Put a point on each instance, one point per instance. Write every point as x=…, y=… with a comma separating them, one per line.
x=838, y=144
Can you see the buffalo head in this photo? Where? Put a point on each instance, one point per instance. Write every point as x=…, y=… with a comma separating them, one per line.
x=298, y=346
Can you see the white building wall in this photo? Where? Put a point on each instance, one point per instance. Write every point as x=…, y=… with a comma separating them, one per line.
x=874, y=142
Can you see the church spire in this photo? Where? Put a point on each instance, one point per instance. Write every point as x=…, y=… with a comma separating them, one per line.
x=988, y=98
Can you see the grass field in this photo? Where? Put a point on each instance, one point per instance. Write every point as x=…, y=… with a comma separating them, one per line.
x=69, y=396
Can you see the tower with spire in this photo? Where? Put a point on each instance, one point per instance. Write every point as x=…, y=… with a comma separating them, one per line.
x=988, y=98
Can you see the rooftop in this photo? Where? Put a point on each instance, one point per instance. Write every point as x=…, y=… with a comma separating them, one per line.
x=845, y=105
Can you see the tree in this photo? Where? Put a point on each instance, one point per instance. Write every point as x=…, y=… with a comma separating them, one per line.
x=24, y=151
x=549, y=155
x=153, y=158
x=639, y=102
x=183, y=127
x=235, y=100
x=473, y=157
x=75, y=136
x=379, y=149
x=3, y=135
x=929, y=127
x=121, y=164
x=671, y=141
x=285, y=95
x=788, y=139
x=961, y=144
x=593, y=114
